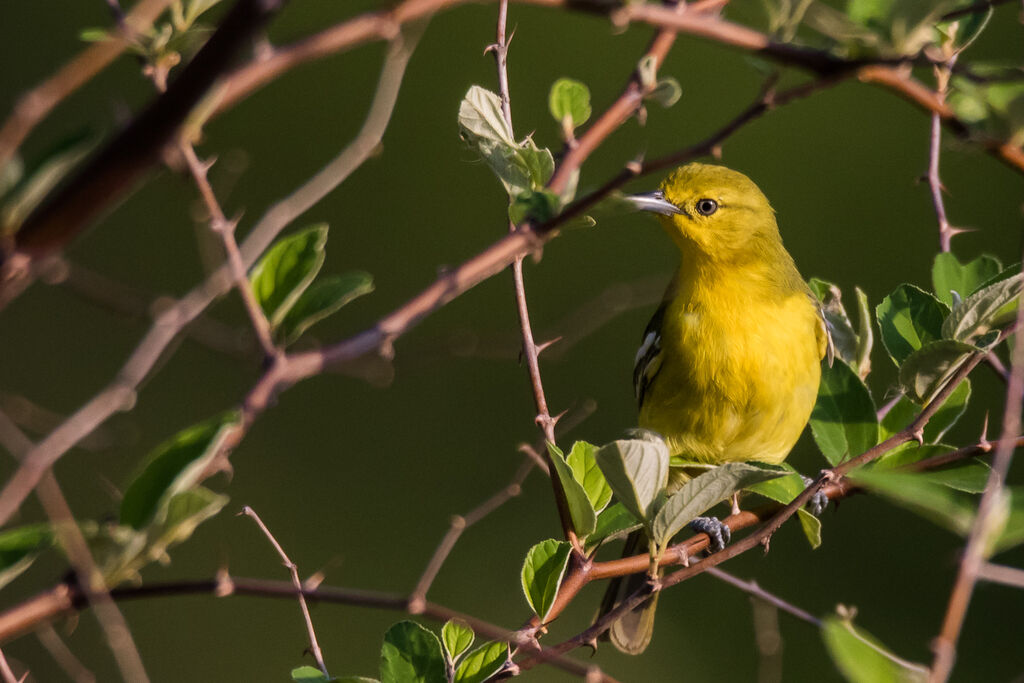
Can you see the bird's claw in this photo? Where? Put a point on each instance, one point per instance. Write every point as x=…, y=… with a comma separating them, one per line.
x=818, y=502
x=718, y=532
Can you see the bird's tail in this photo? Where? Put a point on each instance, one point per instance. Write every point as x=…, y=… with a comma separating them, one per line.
x=632, y=632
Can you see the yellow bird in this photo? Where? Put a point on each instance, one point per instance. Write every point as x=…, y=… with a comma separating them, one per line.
x=729, y=366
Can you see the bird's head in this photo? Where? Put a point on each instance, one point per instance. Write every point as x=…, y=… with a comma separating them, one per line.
x=712, y=211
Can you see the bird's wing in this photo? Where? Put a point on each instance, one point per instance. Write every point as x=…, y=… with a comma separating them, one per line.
x=648, y=356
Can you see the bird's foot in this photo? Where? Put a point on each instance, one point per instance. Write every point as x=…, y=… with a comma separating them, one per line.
x=718, y=532
x=818, y=502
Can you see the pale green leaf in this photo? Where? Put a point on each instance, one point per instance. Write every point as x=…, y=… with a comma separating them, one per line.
x=862, y=659
x=703, y=492
x=584, y=519
x=569, y=101
x=411, y=654
x=989, y=308
x=909, y=318
x=310, y=674
x=844, y=338
x=36, y=182
x=586, y=472
x=667, y=92
x=949, y=275
x=615, y=521
x=322, y=299
x=456, y=636
x=283, y=273
x=483, y=663
x=843, y=421
x=542, y=574
x=636, y=470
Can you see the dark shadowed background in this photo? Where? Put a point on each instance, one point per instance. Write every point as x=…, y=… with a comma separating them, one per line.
x=359, y=480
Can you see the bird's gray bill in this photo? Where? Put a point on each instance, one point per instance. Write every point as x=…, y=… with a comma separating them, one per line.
x=654, y=202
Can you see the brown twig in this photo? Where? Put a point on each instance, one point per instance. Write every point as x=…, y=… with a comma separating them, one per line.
x=120, y=393
x=110, y=172
x=293, y=569
x=61, y=654
x=754, y=590
x=989, y=509
x=997, y=573
x=34, y=105
x=6, y=673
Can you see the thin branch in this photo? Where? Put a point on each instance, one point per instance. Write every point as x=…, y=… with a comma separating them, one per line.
x=6, y=673
x=998, y=573
x=34, y=105
x=108, y=174
x=989, y=509
x=221, y=226
x=756, y=591
x=64, y=600
x=90, y=579
x=294, y=571
x=120, y=393
x=61, y=654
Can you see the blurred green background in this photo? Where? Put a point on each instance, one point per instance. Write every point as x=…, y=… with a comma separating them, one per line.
x=359, y=480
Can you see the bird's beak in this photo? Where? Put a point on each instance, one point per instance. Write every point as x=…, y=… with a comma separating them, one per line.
x=654, y=202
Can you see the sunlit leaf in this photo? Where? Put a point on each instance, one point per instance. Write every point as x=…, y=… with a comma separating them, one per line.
x=411, y=654
x=843, y=421
x=667, y=92
x=20, y=546
x=484, y=663
x=582, y=512
x=636, y=470
x=310, y=674
x=848, y=342
x=949, y=275
x=909, y=318
x=542, y=574
x=569, y=101
x=615, y=521
x=704, y=491
x=862, y=659
x=283, y=273
x=322, y=299
x=989, y=308
x=174, y=466
x=586, y=472
x=456, y=636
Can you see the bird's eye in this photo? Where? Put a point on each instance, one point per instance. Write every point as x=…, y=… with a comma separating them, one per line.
x=706, y=207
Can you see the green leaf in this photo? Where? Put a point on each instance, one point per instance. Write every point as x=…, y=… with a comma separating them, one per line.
x=586, y=472
x=483, y=663
x=905, y=410
x=19, y=548
x=949, y=275
x=919, y=494
x=990, y=308
x=861, y=659
x=539, y=163
x=196, y=8
x=411, y=654
x=584, y=519
x=704, y=492
x=35, y=183
x=1013, y=530
x=667, y=92
x=909, y=318
x=283, y=273
x=969, y=476
x=783, y=490
x=94, y=34
x=537, y=206
x=852, y=346
x=843, y=421
x=310, y=674
x=480, y=117
x=173, y=467
x=456, y=636
x=542, y=574
x=636, y=470
x=322, y=299
x=614, y=522
x=569, y=102
x=865, y=336
x=926, y=371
